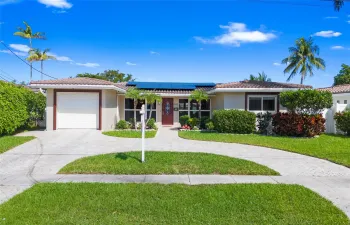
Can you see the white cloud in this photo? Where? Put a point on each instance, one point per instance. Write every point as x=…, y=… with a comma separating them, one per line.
x=17, y=53
x=348, y=21
x=62, y=4
x=20, y=47
x=131, y=64
x=331, y=17
x=62, y=11
x=154, y=53
x=90, y=65
x=61, y=58
x=337, y=47
x=237, y=33
x=5, y=2
x=276, y=64
x=327, y=34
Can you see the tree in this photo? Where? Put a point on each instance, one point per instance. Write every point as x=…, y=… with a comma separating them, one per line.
x=110, y=75
x=261, y=77
x=338, y=4
x=199, y=95
x=343, y=76
x=151, y=98
x=302, y=59
x=28, y=34
x=134, y=94
x=37, y=55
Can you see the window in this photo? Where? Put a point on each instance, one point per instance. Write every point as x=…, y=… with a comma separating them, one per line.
x=192, y=108
x=129, y=109
x=262, y=103
x=345, y=101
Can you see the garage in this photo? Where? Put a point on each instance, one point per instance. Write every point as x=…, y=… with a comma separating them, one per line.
x=77, y=110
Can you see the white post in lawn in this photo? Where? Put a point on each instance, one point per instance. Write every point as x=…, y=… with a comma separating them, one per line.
x=143, y=128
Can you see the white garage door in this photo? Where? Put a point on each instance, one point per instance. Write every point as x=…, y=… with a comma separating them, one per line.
x=77, y=110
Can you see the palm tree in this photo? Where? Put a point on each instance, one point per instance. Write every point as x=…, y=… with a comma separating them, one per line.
x=338, y=4
x=151, y=98
x=28, y=34
x=302, y=59
x=134, y=94
x=261, y=77
x=37, y=55
x=199, y=95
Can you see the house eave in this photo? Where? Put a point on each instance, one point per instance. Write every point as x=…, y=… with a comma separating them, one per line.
x=223, y=90
x=80, y=86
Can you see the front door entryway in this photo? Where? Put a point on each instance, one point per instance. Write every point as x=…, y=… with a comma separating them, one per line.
x=168, y=111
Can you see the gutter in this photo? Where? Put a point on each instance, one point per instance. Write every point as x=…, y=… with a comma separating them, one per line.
x=222, y=90
x=70, y=86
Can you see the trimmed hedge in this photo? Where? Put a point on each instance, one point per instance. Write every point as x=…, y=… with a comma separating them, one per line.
x=19, y=107
x=343, y=121
x=184, y=120
x=234, y=121
x=298, y=125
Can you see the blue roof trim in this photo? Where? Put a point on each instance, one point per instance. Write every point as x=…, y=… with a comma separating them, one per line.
x=168, y=85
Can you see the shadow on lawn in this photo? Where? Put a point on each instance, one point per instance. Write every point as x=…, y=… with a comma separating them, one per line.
x=124, y=156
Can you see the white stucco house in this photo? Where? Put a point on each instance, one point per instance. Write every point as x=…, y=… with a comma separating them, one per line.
x=97, y=104
x=341, y=93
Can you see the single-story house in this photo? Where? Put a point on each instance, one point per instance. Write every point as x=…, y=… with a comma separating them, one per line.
x=100, y=104
x=341, y=93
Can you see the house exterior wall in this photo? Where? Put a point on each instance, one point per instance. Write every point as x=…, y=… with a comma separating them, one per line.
x=110, y=112
x=121, y=107
x=341, y=98
x=49, y=109
x=234, y=101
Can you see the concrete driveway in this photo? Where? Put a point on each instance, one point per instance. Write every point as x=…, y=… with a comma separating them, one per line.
x=39, y=159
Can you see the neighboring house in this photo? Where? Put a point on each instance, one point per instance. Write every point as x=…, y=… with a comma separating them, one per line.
x=341, y=93
x=99, y=104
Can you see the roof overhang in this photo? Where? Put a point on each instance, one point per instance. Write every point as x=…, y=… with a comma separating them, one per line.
x=223, y=90
x=173, y=95
x=341, y=94
x=80, y=86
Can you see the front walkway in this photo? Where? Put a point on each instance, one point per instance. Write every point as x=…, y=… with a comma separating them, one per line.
x=40, y=160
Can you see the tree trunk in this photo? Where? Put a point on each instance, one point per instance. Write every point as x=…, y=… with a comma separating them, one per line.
x=31, y=64
x=302, y=79
x=150, y=113
x=135, y=105
x=199, y=110
x=42, y=68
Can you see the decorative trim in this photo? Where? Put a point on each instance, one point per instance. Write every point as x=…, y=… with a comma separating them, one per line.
x=70, y=90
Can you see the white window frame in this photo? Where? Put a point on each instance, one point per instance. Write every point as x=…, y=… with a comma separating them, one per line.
x=262, y=102
x=132, y=110
x=188, y=110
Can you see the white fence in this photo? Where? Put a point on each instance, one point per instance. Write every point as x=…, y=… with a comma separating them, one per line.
x=328, y=114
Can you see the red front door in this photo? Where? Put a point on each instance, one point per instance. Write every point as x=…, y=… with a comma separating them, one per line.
x=168, y=111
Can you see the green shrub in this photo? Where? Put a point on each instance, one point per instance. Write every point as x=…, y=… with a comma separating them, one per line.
x=234, y=121
x=343, y=121
x=19, y=107
x=264, y=120
x=151, y=124
x=306, y=101
x=193, y=122
x=122, y=125
x=132, y=123
x=203, y=121
x=184, y=120
x=210, y=125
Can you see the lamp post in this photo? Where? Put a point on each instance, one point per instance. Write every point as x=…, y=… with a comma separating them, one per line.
x=143, y=128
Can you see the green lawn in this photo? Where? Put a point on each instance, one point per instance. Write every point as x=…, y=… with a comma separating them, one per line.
x=165, y=163
x=130, y=133
x=9, y=142
x=96, y=203
x=331, y=147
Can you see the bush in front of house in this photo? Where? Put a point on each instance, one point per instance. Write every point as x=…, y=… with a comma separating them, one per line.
x=184, y=120
x=122, y=125
x=343, y=121
x=264, y=123
x=203, y=121
x=306, y=101
x=234, y=121
x=210, y=125
x=193, y=122
x=19, y=107
x=151, y=124
x=298, y=125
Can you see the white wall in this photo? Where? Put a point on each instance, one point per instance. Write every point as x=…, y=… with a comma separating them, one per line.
x=49, y=109
x=341, y=98
x=110, y=112
x=328, y=114
x=234, y=101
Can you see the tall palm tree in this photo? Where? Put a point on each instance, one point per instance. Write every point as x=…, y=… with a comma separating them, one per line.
x=37, y=55
x=199, y=96
x=27, y=33
x=302, y=59
x=338, y=4
x=151, y=98
x=261, y=77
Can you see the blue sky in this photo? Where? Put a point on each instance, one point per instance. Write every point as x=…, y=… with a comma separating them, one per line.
x=203, y=41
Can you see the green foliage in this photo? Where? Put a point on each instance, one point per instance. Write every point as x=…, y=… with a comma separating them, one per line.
x=306, y=101
x=19, y=107
x=343, y=121
x=210, y=125
x=199, y=96
x=109, y=75
x=261, y=77
x=203, y=121
x=264, y=120
x=193, y=122
x=303, y=59
x=343, y=76
x=184, y=120
x=151, y=124
x=122, y=125
x=234, y=121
